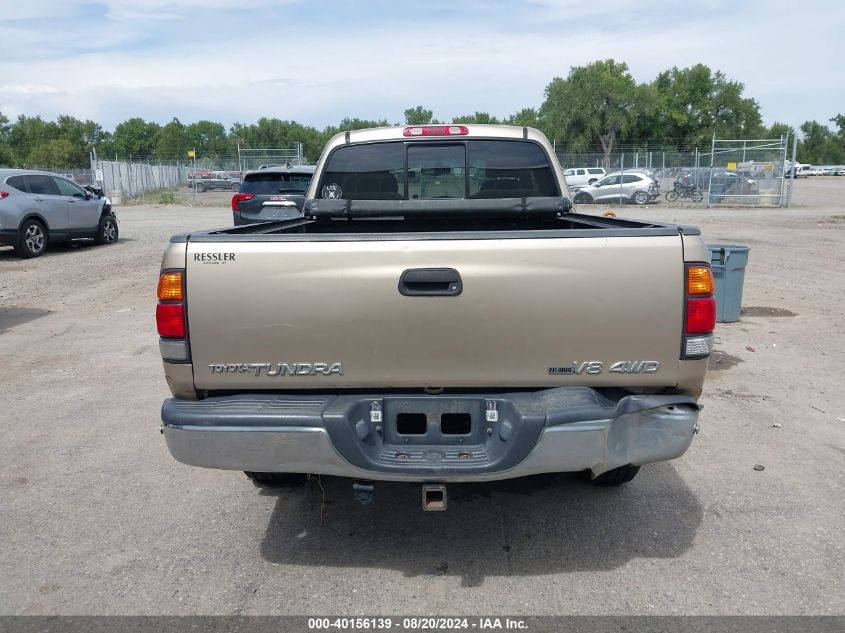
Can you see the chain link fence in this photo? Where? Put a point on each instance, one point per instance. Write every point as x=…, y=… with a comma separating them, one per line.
x=744, y=172
x=128, y=179
x=249, y=159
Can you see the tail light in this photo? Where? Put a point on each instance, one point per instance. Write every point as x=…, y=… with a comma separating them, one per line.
x=4, y=194
x=170, y=319
x=240, y=197
x=700, y=312
x=436, y=130
x=170, y=316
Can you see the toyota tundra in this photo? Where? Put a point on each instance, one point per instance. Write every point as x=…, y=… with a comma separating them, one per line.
x=440, y=313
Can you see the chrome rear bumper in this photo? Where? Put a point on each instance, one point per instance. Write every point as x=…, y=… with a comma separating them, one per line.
x=555, y=430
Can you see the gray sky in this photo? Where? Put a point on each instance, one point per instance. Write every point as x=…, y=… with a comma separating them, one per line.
x=317, y=62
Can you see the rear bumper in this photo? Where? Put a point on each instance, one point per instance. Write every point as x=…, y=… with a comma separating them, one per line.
x=554, y=430
x=274, y=215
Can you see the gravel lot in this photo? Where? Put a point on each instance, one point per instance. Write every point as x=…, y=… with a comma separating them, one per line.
x=96, y=518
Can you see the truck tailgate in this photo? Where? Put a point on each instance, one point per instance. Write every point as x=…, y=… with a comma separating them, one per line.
x=534, y=312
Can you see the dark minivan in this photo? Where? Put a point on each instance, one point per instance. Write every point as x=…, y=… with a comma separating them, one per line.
x=274, y=193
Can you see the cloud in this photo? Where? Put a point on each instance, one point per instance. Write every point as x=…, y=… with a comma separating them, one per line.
x=318, y=63
x=27, y=89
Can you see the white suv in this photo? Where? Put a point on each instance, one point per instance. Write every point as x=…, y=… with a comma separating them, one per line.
x=583, y=175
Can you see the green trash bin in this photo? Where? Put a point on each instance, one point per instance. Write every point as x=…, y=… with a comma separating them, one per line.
x=728, y=262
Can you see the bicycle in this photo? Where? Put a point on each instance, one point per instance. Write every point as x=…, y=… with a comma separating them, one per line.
x=684, y=191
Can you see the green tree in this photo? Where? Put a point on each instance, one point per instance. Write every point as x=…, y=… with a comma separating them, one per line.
x=208, y=137
x=820, y=145
x=5, y=149
x=777, y=129
x=594, y=105
x=83, y=137
x=28, y=132
x=418, y=115
x=275, y=133
x=477, y=117
x=55, y=153
x=527, y=117
x=360, y=124
x=172, y=141
x=839, y=121
x=692, y=104
x=136, y=137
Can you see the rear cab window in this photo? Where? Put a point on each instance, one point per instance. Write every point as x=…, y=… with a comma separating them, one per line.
x=264, y=183
x=470, y=169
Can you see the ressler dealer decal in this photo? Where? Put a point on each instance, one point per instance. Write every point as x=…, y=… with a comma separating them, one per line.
x=214, y=258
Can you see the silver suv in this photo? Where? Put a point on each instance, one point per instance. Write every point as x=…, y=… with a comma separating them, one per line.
x=636, y=187
x=37, y=207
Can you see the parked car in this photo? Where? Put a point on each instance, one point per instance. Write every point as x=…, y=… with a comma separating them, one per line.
x=840, y=171
x=801, y=170
x=579, y=176
x=213, y=180
x=272, y=193
x=37, y=208
x=637, y=187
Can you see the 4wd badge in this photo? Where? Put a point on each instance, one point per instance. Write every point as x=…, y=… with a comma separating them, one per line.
x=597, y=367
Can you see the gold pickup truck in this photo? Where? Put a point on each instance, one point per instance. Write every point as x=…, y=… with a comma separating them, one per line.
x=440, y=313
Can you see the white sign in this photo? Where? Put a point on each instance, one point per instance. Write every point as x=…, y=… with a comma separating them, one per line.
x=98, y=175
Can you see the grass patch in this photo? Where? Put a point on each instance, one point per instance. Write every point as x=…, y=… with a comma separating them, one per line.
x=167, y=196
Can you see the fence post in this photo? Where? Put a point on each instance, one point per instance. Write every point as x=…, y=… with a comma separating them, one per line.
x=621, y=176
x=710, y=177
x=120, y=177
x=792, y=174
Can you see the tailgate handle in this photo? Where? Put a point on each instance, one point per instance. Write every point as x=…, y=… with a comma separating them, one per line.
x=431, y=282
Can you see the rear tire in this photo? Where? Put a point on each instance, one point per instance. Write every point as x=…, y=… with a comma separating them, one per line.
x=200, y=188
x=275, y=479
x=641, y=198
x=697, y=196
x=615, y=477
x=32, y=241
x=236, y=186
x=671, y=196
